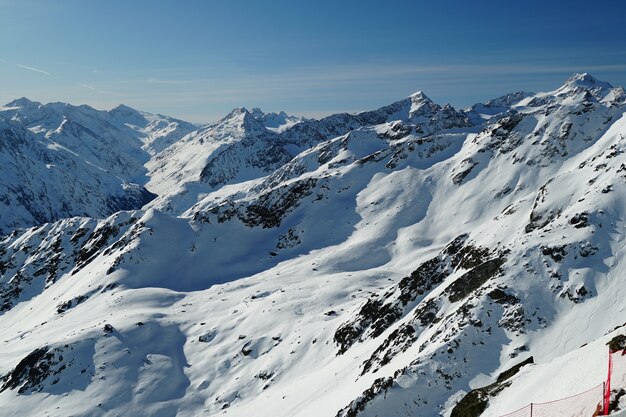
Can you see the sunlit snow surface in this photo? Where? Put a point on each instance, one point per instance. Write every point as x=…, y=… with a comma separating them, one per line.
x=224, y=295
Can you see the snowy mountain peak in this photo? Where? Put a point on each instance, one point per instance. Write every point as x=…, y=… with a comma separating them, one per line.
x=124, y=110
x=261, y=115
x=585, y=87
x=236, y=123
x=420, y=100
x=257, y=112
x=579, y=89
x=586, y=80
x=236, y=112
x=22, y=102
x=498, y=106
x=419, y=96
x=508, y=100
x=277, y=122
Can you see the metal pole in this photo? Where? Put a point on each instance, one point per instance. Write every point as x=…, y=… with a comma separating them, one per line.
x=531, y=409
x=604, y=411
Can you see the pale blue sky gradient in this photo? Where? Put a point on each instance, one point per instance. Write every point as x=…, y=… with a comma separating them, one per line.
x=199, y=59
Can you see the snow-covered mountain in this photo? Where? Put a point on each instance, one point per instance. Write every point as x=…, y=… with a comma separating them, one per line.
x=246, y=146
x=277, y=122
x=44, y=181
x=383, y=263
x=61, y=160
x=235, y=149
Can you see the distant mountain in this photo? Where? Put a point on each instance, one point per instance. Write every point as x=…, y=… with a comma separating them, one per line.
x=241, y=148
x=382, y=263
x=62, y=160
x=43, y=181
x=277, y=122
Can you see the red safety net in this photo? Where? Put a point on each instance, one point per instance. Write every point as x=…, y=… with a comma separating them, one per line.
x=522, y=412
x=593, y=402
x=616, y=380
x=585, y=404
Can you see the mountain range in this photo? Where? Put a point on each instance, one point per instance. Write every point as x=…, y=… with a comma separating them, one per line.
x=382, y=263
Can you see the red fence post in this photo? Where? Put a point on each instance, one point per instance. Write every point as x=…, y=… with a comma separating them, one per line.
x=607, y=386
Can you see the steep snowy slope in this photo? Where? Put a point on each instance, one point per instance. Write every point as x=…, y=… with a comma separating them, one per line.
x=580, y=371
x=382, y=264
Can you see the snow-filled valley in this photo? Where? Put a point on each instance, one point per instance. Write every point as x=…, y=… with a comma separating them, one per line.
x=382, y=263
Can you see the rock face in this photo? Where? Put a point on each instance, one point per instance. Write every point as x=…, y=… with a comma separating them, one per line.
x=402, y=261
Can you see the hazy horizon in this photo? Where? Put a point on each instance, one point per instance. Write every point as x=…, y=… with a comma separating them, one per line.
x=198, y=60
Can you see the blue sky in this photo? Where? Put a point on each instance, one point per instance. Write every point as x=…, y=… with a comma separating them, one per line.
x=199, y=59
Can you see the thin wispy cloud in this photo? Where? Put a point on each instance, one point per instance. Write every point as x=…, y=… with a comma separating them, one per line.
x=98, y=90
x=360, y=86
x=34, y=69
x=336, y=75
x=461, y=84
x=317, y=78
x=339, y=74
x=161, y=81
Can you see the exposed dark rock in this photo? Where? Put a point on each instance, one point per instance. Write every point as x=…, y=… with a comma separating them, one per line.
x=66, y=305
x=379, y=313
x=587, y=249
x=96, y=241
x=373, y=313
x=580, y=220
x=397, y=130
x=268, y=210
x=607, y=189
x=41, y=368
x=513, y=318
x=474, y=279
x=79, y=234
x=378, y=387
x=514, y=370
x=30, y=371
x=401, y=338
x=617, y=343
x=245, y=350
x=10, y=292
x=616, y=396
x=265, y=375
x=502, y=297
x=557, y=253
x=469, y=165
x=540, y=218
x=288, y=240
